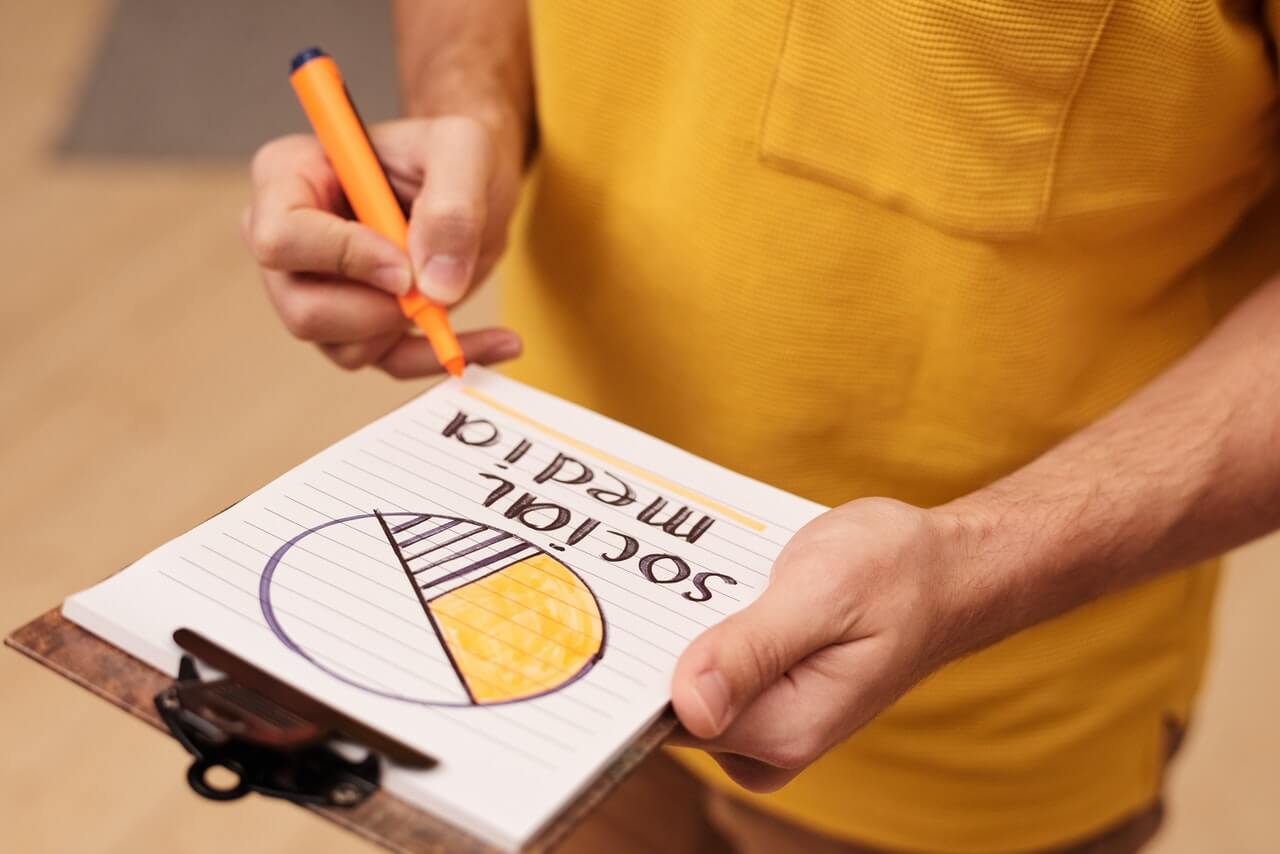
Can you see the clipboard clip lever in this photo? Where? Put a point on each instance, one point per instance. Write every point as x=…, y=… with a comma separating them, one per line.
x=268, y=748
x=271, y=736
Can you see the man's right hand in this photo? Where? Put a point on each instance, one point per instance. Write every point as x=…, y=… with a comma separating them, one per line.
x=333, y=281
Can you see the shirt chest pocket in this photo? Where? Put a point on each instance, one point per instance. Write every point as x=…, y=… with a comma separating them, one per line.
x=948, y=110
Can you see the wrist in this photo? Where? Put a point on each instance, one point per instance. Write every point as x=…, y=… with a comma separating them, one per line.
x=469, y=58
x=472, y=80
x=444, y=89
x=1025, y=553
x=457, y=92
x=964, y=595
x=983, y=580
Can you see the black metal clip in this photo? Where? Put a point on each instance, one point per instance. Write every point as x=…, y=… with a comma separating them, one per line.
x=272, y=738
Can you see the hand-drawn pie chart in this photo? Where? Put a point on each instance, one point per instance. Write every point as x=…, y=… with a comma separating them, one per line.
x=432, y=609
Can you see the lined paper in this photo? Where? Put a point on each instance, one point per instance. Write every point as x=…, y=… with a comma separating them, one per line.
x=500, y=578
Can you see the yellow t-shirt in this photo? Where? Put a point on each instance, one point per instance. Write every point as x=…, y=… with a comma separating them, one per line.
x=902, y=247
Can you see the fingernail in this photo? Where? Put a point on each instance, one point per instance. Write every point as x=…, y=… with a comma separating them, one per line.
x=395, y=278
x=444, y=278
x=713, y=692
x=503, y=349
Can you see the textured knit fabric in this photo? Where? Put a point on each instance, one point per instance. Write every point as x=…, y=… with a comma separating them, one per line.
x=902, y=247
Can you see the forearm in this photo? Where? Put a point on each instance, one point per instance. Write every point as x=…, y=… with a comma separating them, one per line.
x=466, y=57
x=1187, y=468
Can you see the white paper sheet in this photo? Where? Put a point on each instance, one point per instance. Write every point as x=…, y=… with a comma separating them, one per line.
x=483, y=573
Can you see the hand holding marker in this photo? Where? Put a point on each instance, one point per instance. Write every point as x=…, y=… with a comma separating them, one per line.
x=324, y=97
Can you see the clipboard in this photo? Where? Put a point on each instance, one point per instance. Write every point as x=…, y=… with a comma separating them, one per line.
x=129, y=684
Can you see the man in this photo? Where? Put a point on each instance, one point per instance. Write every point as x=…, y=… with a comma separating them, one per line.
x=990, y=277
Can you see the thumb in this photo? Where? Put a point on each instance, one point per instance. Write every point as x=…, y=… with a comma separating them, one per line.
x=733, y=662
x=447, y=223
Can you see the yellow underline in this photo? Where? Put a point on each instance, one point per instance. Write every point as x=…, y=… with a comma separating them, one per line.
x=618, y=463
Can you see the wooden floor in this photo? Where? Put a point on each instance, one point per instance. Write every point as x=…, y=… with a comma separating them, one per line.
x=144, y=384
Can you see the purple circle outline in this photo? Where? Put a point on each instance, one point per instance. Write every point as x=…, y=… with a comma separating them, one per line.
x=268, y=614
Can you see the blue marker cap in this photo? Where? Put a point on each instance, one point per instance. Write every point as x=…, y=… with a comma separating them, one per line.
x=302, y=57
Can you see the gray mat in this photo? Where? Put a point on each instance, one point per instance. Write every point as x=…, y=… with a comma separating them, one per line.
x=179, y=78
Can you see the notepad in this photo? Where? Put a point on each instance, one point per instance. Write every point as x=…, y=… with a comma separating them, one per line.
x=497, y=577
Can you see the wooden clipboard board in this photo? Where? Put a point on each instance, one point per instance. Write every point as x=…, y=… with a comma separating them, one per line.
x=129, y=684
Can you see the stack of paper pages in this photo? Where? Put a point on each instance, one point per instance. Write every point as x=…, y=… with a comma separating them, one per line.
x=494, y=576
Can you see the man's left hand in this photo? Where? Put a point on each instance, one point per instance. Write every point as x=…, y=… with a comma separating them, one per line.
x=862, y=603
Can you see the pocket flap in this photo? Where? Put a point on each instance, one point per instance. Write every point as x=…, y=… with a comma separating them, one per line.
x=947, y=109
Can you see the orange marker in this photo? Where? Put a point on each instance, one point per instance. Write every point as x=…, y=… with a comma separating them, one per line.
x=318, y=85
